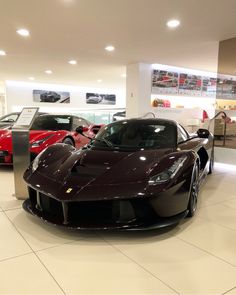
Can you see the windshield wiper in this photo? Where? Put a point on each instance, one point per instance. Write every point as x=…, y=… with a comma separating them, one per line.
x=107, y=142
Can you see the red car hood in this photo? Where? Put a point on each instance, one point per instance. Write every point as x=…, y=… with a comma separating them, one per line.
x=34, y=135
x=5, y=140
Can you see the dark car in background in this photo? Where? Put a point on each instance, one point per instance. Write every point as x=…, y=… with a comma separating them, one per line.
x=119, y=116
x=10, y=119
x=50, y=96
x=136, y=174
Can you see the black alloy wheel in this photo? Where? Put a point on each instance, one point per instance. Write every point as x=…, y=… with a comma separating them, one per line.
x=194, y=190
x=68, y=141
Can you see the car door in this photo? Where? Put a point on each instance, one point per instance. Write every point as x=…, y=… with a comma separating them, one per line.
x=184, y=141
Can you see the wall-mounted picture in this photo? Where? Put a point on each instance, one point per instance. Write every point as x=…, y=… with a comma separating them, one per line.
x=190, y=84
x=226, y=88
x=208, y=86
x=165, y=82
x=95, y=98
x=51, y=96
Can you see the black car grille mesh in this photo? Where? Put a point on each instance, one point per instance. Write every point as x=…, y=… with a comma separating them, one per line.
x=93, y=213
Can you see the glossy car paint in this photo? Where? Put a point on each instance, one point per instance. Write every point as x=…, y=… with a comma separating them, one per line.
x=98, y=177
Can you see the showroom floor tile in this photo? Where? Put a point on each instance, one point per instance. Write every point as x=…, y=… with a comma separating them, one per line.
x=219, y=214
x=211, y=237
x=231, y=292
x=26, y=275
x=39, y=235
x=187, y=269
x=7, y=200
x=196, y=257
x=12, y=244
x=111, y=271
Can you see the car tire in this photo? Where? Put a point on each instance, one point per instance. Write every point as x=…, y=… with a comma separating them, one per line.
x=68, y=141
x=211, y=164
x=193, y=192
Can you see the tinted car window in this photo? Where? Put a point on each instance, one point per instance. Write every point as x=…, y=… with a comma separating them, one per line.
x=52, y=123
x=79, y=122
x=10, y=118
x=137, y=135
x=182, y=134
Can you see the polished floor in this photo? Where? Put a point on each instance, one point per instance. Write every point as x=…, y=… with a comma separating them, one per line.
x=196, y=257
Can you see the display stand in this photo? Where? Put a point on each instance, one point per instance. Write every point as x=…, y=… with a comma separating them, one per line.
x=20, y=147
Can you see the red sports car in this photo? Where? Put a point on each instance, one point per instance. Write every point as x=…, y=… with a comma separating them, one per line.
x=47, y=130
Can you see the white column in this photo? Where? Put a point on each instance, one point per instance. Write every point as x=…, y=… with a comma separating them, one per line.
x=138, y=90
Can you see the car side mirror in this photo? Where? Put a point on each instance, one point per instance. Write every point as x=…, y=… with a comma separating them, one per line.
x=81, y=129
x=203, y=133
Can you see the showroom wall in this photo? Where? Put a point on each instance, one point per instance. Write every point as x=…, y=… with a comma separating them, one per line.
x=185, y=95
x=20, y=94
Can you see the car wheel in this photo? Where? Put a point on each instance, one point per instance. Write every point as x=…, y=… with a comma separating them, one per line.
x=68, y=141
x=211, y=164
x=193, y=194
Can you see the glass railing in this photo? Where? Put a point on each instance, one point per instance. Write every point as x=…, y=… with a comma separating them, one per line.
x=98, y=117
x=225, y=130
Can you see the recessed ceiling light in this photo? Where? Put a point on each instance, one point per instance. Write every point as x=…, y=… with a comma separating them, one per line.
x=173, y=23
x=99, y=80
x=123, y=75
x=23, y=32
x=48, y=72
x=31, y=78
x=72, y=62
x=110, y=48
x=2, y=52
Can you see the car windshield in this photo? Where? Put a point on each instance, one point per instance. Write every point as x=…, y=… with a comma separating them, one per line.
x=52, y=123
x=140, y=134
x=9, y=118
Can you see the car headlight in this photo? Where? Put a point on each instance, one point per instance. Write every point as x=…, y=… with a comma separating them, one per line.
x=169, y=173
x=41, y=141
x=35, y=162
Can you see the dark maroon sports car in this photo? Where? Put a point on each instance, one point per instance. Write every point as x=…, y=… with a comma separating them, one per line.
x=136, y=174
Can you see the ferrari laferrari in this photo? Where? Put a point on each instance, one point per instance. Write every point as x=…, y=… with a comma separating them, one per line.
x=47, y=130
x=135, y=174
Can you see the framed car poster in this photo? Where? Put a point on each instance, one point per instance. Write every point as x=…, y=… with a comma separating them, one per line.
x=96, y=98
x=190, y=84
x=208, y=86
x=165, y=82
x=49, y=96
x=226, y=88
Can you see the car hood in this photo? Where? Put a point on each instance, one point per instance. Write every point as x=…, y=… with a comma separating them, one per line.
x=35, y=135
x=94, y=174
x=109, y=166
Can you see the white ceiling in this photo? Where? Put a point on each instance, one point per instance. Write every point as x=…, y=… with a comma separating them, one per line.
x=80, y=29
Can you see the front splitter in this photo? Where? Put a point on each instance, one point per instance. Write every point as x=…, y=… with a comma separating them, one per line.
x=139, y=226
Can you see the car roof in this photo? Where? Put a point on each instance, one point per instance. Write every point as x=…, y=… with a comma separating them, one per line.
x=149, y=121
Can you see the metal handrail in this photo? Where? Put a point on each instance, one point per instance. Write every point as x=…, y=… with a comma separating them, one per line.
x=149, y=113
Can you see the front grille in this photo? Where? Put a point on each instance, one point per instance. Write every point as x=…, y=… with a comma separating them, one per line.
x=93, y=213
x=5, y=157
